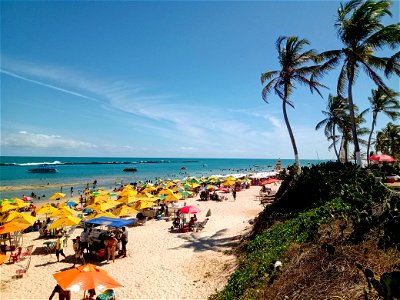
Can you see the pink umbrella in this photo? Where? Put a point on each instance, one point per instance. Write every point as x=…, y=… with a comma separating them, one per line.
x=382, y=157
x=26, y=198
x=189, y=209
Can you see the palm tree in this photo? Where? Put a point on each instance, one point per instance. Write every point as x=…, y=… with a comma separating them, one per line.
x=388, y=140
x=292, y=61
x=334, y=113
x=344, y=125
x=382, y=102
x=360, y=28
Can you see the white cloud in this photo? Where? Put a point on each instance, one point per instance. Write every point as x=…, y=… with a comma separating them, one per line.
x=40, y=140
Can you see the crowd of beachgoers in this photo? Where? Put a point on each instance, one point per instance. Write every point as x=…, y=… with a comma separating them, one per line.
x=169, y=254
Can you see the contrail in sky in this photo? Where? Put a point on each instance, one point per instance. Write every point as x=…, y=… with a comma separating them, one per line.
x=47, y=85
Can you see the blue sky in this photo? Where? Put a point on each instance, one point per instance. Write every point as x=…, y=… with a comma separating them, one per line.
x=160, y=79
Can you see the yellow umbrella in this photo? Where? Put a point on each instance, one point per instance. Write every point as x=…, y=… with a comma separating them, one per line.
x=64, y=222
x=64, y=211
x=12, y=227
x=127, y=199
x=46, y=209
x=6, y=206
x=128, y=192
x=20, y=218
x=166, y=191
x=57, y=196
x=142, y=204
x=145, y=194
x=102, y=206
x=149, y=188
x=101, y=214
x=172, y=197
x=229, y=182
x=19, y=203
x=124, y=210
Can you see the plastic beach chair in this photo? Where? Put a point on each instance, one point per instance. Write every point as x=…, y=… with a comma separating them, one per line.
x=108, y=294
x=14, y=257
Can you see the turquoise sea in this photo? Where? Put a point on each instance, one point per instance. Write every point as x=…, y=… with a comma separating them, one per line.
x=77, y=172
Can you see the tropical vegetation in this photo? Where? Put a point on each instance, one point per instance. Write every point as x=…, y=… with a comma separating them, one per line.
x=332, y=220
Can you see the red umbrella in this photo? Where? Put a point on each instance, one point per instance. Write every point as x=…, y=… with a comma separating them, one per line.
x=382, y=157
x=189, y=209
x=26, y=198
x=270, y=180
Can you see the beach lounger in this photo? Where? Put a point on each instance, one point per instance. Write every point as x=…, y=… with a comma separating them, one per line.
x=27, y=253
x=23, y=270
x=198, y=226
x=267, y=199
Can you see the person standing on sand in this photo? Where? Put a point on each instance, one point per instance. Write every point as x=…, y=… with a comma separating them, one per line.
x=60, y=246
x=124, y=240
x=234, y=194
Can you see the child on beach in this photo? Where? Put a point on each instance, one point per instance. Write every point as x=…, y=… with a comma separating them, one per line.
x=78, y=250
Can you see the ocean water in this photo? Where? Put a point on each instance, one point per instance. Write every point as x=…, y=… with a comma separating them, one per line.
x=77, y=172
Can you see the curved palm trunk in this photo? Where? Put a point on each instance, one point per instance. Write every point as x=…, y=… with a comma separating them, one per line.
x=352, y=116
x=374, y=115
x=296, y=154
x=334, y=141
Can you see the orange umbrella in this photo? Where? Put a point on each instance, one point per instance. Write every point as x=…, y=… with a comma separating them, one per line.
x=13, y=226
x=3, y=258
x=85, y=278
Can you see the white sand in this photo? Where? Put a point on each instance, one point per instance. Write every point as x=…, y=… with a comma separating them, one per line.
x=160, y=264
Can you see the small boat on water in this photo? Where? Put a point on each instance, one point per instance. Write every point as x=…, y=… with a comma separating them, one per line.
x=129, y=170
x=43, y=169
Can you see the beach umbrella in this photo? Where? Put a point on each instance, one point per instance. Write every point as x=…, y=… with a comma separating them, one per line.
x=193, y=180
x=85, y=278
x=149, y=188
x=270, y=180
x=124, y=210
x=12, y=227
x=46, y=209
x=127, y=199
x=189, y=209
x=20, y=218
x=166, y=191
x=171, y=197
x=6, y=206
x=102, y=206
x=186, y=193
x=71, y=203
x=63, y=211
x=144, y=194
x=127, y=193
x=26, y=198
x=229, y=181
x=57, y=196
x=101, y=214
x=3, y=258
x=142, y=204
x=382, y=158
x=19, y=203
x=64, y=222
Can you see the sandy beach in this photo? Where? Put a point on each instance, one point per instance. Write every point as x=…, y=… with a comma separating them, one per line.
x=160, y=264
